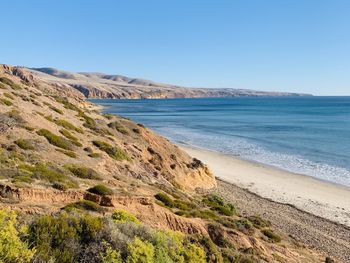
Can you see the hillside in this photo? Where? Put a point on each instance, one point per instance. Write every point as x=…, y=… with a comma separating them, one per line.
x=88, y=187
x=99, y=85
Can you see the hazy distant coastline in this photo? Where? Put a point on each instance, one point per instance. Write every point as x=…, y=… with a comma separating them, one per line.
x=105, y=86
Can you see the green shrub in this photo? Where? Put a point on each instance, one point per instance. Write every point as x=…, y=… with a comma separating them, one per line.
x=66, y=103
x=9, y=157
x=94, y=155
x=48, y=173
x=24, y=144
x=117, y=126
x=28, y=128
x=124, y=216
x=12, y=249
x=8, y=95
x=83, y=172
x=177, y=203
x=70, y=137
x=55, y=140
x=67, y=125
x=244, y=225
x=111, y=256
x=218, y=235
x=5, y=102
x=16, y=115
x=60, y=238
x=89, y=122
x=184, y=205
x=258, y=222
x=218, y=204
x=59, y=186
x=56, y=110
x=10, y=83
x=6, y=81
x=274, y=238
x=79, y=237
x=108, y=116
x=49, y=118
x=52, y=107
x=227, y=222
x=113, y=151
x=68, y=153
x=22, y=178
x=100, y=189
x=213, y=254
x=140, y=252
x=241, y=258
x=84, y=205
x=204, y=214
x=171, y=246
x=165, y=199
x=194, y=254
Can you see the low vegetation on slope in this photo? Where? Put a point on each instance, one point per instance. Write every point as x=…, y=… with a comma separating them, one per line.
x=76, y=235
x=55, y=139
x=81, y=237
x=113, y=151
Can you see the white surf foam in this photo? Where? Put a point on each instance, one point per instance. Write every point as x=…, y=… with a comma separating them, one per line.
x=254, y=152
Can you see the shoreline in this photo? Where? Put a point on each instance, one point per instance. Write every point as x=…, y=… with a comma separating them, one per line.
x=304, y=228
x=320, y=198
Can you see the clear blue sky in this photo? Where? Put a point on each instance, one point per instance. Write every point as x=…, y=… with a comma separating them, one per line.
x=282, y=45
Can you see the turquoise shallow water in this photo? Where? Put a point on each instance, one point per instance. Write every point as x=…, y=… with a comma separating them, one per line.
x=306, y=135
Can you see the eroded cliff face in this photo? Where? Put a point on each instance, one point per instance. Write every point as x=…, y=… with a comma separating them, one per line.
x=43, y=201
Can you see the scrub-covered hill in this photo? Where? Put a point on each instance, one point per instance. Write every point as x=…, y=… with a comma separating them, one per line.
x=80, y=186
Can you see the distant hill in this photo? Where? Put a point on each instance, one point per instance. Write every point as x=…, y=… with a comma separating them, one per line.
x=100, y=85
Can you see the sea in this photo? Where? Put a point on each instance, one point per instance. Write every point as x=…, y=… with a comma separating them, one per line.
x=304, y=135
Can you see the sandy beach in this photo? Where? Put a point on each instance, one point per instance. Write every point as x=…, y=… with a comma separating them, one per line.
x=310, y=211
x=318, y=197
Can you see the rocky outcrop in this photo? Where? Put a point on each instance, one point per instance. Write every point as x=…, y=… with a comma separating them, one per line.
x=143, y=207
x=41, y=196
x=17, y=71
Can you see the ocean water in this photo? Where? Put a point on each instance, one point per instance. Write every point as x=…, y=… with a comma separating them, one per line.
x=305, y=135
